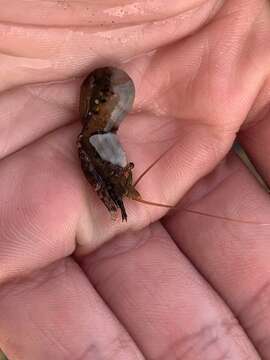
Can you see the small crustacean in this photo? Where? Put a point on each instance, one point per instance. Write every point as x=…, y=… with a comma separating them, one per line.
x=107, y=95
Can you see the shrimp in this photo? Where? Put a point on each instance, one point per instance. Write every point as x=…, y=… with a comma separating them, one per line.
x=106, y=97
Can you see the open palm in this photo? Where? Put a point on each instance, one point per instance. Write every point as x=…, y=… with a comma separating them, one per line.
x=181, y=286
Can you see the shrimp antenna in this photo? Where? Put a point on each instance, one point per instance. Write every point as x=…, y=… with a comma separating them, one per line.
x=152, y=165
x=154, y=203
x=200, y=213
x=224, y=217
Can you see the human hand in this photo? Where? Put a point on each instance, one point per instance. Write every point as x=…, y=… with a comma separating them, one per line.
x=177, y=287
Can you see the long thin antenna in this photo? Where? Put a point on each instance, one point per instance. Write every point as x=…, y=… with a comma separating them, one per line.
x=201, y=213
x=152, y=165
x=224, y=217
x=154, y=204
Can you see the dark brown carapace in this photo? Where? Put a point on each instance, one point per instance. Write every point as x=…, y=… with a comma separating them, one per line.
x=107, y=95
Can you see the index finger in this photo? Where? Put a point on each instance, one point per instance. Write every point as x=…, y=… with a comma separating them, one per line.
x=35, y=42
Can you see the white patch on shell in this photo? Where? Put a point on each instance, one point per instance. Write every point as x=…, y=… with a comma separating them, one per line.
x=109, y=148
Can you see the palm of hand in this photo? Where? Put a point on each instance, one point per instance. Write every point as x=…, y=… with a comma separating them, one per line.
x=195, y=92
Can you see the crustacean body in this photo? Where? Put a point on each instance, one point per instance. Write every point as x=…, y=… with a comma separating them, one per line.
x=107, y=95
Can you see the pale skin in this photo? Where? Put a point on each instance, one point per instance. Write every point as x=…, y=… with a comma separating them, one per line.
x=180, y=287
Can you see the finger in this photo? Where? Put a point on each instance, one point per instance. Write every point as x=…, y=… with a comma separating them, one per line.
x=63, y=50
x=164, y=303
x=38, y=208
x=156, y=94
x=74, y=13
x=56, y=314
x=29, y=112
x=255, y=138
x=233, y=257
